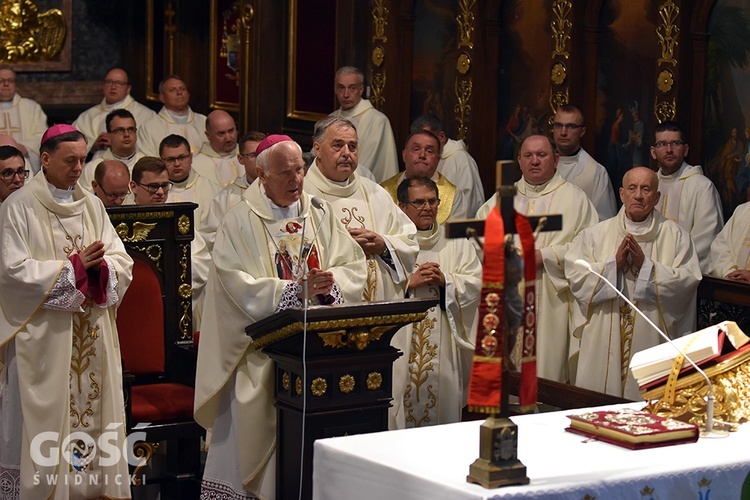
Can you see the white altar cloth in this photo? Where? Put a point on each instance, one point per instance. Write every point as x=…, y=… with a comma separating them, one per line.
x=432, y=463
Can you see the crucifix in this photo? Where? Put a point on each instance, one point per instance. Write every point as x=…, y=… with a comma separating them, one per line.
x=498, y=464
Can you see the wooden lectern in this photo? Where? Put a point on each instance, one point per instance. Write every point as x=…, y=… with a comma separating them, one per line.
x=341, y=380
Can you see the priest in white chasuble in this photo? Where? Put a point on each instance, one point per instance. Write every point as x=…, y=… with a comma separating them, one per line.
x=654, y=263
x=730, y=252
x=442, y=344
x=384, y=232
x=543, y=191
x=264, y=245
x=63, y=271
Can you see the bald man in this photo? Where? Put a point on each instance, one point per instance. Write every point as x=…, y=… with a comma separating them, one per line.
x=653, y=262
x=111, y=182
x=217, y=159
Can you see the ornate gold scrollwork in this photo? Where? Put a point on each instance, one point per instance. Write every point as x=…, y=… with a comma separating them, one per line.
x=379, y=21
x=143, y=450
x=665, y=81
x=298, y=386
x=346, y=384
x=668, y=32
x=559, y=73
x=183, y=224
x=465, y=20
x=374, y=381
x=185, y=291
x=561, y=27
x=153, y=252
x=665, y=110
x=462, y=109
x=377, y=84
x=357, y=337
x=286, y=381
x=463, y=64
x=141, y=231
x=378, y=55
x=557, y=99
x=318, y=386
x=28, y=36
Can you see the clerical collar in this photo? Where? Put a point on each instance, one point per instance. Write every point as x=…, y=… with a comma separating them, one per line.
x=244, y=180
x=279, y=212
x=642, y=227
x=61, y=195
x=674, y=175
x=572, y=155
x=538, y=189
x=343, y=183
x=425, y=232
x=124, y=159
x=6, y=104
x=114, y=105
x=179, y=118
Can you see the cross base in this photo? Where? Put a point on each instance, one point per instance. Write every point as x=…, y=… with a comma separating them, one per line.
x=497, y=464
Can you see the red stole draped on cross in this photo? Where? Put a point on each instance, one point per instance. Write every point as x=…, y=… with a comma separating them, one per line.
x=485, y=387
x=527, y=394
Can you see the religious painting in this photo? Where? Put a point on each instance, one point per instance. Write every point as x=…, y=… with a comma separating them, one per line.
x=294, y=253
x=727, y=103
x=36, y=35
x=625, y=85
x=312, y=59
x=523, y=90
x=224, y=82
x=160, y=31
x=434, y=61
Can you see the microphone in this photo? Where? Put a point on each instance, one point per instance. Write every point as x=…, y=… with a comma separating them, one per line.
x=584, y=266
x=317, y=203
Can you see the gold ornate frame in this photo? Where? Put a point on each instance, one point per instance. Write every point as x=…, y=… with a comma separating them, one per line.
x=63, y=61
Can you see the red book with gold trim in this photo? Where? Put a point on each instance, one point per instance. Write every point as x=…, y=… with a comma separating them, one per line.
x=632, y=428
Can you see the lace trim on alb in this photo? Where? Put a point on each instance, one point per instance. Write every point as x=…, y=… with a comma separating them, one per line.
x=64, y=295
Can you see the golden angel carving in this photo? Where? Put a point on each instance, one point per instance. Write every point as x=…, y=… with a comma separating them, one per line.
x=28, y=36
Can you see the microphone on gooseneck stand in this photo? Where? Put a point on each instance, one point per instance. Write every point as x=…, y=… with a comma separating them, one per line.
x=583, y=265
x=317, y=203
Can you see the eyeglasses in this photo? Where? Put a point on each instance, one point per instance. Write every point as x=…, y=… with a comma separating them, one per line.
x=664, y=144
x=9, y=174
x=9, y=81
x=173, y=159
x=568, y=126
x=116, y=83
x=122, y=130
x=114, y=196
x=248, y=156
x=420, y=203
x=154, y=188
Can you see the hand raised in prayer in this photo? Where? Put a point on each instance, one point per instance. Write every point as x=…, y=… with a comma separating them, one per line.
x=92, y=256
x=740, y=275
x=319, y=282
x=427, y=274
x=635, y=251
x=372, y=243
x=101, y=142
x=621, y=257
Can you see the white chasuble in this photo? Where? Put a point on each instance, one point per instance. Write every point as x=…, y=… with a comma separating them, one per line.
x=195, y=189
x=442, y=344
x=67, y=355
x=221, y=169
x=730, y=250
x=664, y=288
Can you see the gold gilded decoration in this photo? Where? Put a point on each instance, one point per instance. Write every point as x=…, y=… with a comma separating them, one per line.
x=559, y=73
x=668, y=32
x=83, y=353
x=318, y=386
x=420, y=364
x=346, y=384
x=298, y=386
x=463, y=64
x=357, y=337
x=557, y=99
x=704, y=483
x=153, y=252
x=143, y=450
x=465, y=20
x=374, y=381
x=141, y=231
x=665, y=81
x=370, y=291
x=286, y=381
x=338, y=324
x=183, y=224
x=627, y=325
x=379, y=21
x=377, y=81
x=378, y=55
x=27, y=35
x=561, y=27
x=141, y=215
x=731, y=383
x=463, y=108
x=185, y=291
x=351, y=215
x=665, y=110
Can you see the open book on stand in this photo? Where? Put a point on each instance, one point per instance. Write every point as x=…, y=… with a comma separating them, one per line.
x=652, y=366
x=632, y=428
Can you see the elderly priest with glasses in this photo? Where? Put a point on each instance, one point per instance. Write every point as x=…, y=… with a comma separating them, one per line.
x=264, y=247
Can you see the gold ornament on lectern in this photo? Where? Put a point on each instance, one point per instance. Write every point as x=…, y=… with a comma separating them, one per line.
x=27, y=35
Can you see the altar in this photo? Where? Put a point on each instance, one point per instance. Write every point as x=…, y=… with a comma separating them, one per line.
x=433, y=462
